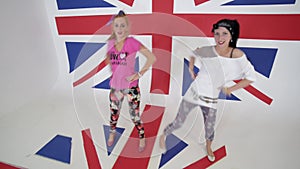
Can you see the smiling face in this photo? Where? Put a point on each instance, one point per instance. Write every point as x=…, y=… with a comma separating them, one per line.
x=222, y=37
x=120, y=28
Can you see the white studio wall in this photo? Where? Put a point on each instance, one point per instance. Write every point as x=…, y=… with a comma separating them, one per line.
x=29, y=64
x=54, y=107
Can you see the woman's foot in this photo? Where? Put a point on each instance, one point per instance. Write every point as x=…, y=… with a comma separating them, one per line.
x=210, y=154
x=111, y=139
x=142, y=144
x=162, y=142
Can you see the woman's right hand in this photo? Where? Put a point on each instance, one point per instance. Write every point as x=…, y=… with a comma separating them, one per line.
x=226, y=91
x=193, y=74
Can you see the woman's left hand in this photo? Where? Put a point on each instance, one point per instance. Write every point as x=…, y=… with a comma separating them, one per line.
x=133, y=77
x=226, y=91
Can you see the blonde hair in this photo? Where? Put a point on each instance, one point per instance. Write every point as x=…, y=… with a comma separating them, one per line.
x=121, y=14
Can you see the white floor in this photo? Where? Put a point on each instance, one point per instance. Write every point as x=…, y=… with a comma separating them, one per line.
x=255, y=135
x=38, y=102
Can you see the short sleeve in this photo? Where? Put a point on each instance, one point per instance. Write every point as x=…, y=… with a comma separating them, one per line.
x=248, y=70
x=134, y=44
x=110, y=45
x=203, y=52
x=194, y=53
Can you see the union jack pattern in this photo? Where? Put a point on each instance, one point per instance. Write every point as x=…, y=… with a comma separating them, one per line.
x=169, y=29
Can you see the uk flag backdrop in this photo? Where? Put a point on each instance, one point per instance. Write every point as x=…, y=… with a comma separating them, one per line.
x=169, y=28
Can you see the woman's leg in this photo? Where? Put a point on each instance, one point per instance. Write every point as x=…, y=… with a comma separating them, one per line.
x=209, y=116
x=134, y=111
x=184, y=109
x=116, y=98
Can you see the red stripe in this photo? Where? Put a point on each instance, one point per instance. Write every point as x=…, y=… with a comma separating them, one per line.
x=83, y=25
x=271, y=26
x=205, y=163
x=130, y=157
x=90, y=150
x=128, y=2
x=268, y=28
x=6, y=166
x=161, y=47
x=90, y=74
x=257, y=93
x=163, y=6
x=198, y=2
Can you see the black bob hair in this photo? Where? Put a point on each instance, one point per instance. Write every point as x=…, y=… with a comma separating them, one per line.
x=232, y=26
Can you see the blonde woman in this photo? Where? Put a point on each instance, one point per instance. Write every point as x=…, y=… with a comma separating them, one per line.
x=121, y=55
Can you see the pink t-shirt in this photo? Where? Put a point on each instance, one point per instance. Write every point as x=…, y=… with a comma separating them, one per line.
x=123, y=63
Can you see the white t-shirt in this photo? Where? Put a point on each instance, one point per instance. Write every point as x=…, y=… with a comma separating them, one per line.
x=215, y=72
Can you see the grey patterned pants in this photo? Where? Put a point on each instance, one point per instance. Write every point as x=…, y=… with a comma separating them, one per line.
x=209, y=116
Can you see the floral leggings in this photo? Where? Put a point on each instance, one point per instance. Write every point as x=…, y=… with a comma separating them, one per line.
x=116, y=98
x=209, y=116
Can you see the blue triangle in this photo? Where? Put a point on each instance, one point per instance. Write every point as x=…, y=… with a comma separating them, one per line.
x=79, y=52
x=59, y=148
x=103, y=85
x=137, y=64
x=119, y=132
x=260, y=2
x=74, y=4
x=187, y=80
x=231, y=97
x=174, y=145
x=261, y=58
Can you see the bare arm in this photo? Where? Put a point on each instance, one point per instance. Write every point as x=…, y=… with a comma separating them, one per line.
x=191, y=67
x=150, y=60
x=241, y=84
x=107, y=60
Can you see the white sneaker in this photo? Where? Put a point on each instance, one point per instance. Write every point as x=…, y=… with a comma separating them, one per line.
x=211, y=158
